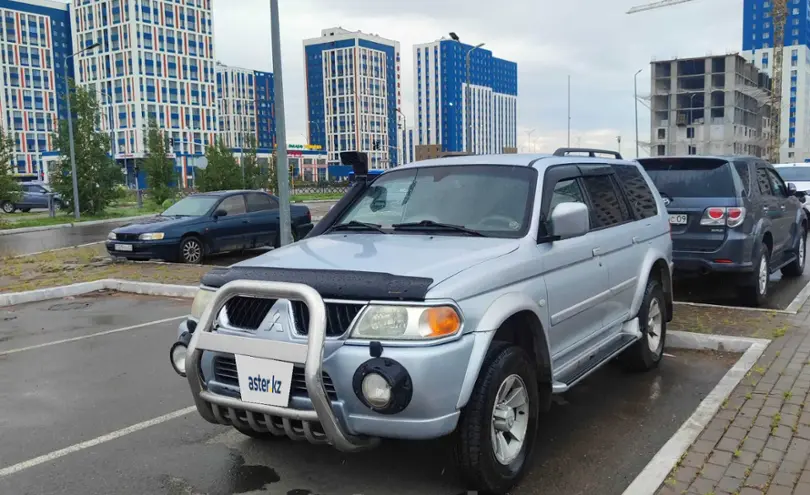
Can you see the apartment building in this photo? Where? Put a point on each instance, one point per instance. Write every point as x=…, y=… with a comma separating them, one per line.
x=245, y=103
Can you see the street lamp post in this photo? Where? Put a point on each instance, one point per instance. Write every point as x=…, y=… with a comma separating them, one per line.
x=283, y=165
x=404, y=128
x=529, y=137
x=70, y=130
x=635, y=100
x=468, y=91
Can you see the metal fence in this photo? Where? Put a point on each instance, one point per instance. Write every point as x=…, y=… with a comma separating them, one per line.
x=319, y=187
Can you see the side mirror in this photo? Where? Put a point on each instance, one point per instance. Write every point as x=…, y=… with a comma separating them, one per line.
x=792, y=189
x=220, y=213
x=569, y=220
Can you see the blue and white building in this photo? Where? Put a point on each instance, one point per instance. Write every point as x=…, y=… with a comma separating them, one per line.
x=34, y=40
x=440, y=98
x=353, y=95
x=156, y=61
x=406, y=141
x=245, y=101
x=758, y=49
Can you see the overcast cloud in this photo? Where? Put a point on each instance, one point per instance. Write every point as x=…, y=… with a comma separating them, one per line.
x=592, y=40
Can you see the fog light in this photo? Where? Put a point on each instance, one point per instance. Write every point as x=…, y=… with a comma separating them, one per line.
x=179, y=352
x=376, y=390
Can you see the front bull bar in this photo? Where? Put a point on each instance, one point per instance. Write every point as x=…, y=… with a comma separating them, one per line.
x=310, y=355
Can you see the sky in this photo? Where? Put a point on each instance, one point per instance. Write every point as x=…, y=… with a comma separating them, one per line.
x=593, y=41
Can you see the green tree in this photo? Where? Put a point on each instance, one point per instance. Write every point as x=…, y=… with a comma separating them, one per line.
x=159, y=168
x=9, y=188
x=222, y=172
x=256, y=176
x=97, y=174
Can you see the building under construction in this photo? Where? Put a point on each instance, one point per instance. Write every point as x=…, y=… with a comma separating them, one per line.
x=716, y=105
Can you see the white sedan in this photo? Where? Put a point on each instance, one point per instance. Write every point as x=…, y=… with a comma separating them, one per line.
x=799, y=175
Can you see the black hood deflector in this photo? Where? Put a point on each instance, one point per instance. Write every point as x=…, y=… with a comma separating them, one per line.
x=331, y=284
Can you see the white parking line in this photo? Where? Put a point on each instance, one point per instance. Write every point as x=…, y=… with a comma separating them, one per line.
x=16, y=468
x=83, y=337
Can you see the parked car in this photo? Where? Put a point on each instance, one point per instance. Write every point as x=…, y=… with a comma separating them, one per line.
x=448, y=296
x=34, y=195
x=204, y=224
x=734, y=216
x=798, y=174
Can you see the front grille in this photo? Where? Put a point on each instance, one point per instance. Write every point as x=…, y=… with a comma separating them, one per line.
x=338, y=317
x=226, y=374
x=247, y=312
x=126, y=237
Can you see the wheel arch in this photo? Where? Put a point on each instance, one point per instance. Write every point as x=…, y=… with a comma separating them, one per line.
x=655, y=264
x=515, y=318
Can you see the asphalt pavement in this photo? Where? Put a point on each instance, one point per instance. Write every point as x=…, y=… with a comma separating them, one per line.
x=713, y=289
x=34, y=242
x=77, y=374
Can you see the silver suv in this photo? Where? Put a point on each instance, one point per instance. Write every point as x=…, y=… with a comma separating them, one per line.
x=450, y=296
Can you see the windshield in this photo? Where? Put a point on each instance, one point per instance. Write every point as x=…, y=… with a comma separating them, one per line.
x=191, y=206
x=797, y=174
x=494, y=200
x=691, y=178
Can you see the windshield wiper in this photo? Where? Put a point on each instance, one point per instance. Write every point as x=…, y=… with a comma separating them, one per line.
x=355, y=225
x=431, y=225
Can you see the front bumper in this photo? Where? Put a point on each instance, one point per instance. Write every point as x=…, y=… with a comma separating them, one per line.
x=146, y=250
x=335, y=414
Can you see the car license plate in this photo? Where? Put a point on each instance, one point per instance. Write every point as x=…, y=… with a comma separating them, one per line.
x=677, y=219
x=123, y=247
x=264, y=381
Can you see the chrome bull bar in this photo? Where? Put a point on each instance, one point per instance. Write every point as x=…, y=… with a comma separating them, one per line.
x=310, y=355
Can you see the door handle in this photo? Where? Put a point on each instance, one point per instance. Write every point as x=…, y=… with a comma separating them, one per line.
x=245, y=221
x=783, y=207
x=597, y=251
x=635, y=239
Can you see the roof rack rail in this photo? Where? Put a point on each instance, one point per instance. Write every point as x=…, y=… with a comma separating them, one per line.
x=590, y=151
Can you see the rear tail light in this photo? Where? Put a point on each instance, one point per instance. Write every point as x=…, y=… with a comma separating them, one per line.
x=717, y=216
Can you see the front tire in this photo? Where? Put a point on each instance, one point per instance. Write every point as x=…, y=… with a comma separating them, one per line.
x=498, y=427
x=192, y=250
x=796, y=268
x=646, y=354
x=8, y=207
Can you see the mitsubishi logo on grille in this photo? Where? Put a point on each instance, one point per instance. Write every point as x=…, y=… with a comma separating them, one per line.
x=274, y=324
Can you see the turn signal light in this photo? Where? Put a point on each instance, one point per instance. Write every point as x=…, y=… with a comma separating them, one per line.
x=441, y=321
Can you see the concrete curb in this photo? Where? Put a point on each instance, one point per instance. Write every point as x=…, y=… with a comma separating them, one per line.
x=656, y=471
x=132, y=287
x=24, y=230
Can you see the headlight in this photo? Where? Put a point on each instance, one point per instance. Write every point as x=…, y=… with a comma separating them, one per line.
x=155, y=236
x=201, y=301
x=407, y=323
x=111, y=236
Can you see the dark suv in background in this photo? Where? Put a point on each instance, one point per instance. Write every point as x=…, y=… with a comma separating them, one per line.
x=732, y=215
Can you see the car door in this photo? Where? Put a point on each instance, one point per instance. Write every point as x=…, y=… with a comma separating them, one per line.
x=788, y=205
x=39, y=196
x=263, y=213
x=575, y=275
x=27, y=199
x=618, y=236
x=232, y=231
x=772, y=210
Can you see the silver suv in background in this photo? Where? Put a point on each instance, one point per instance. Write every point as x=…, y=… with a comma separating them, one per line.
x=446, y=297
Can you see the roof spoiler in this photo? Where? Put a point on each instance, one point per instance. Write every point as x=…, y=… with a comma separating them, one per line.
x=590, y=151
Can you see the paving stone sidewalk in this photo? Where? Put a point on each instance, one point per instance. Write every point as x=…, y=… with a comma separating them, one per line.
x=759, y=441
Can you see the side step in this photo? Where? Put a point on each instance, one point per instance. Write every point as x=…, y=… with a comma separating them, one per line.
x=592, y=361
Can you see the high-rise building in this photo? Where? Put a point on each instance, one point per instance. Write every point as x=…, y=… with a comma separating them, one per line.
x=440, y=98
x=34, y=41
x=758, y=48
x=353, y=95
x=245, y=100
x=155, y=62
x=406, y=141
x=708, y=106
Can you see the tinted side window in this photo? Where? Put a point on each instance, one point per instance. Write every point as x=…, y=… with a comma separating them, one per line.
x=260, y=202
x=764, y=182
x=638, y=191
x=745, y=176
x=608, y=206
x=234, y=205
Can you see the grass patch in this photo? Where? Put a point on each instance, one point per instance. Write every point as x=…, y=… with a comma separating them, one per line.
x=728, y=321
x=67, y=217
x=295, y=198
x=85, y=264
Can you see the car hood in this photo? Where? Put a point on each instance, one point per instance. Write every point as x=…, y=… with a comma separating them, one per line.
x=152, y=224
x=435, y=257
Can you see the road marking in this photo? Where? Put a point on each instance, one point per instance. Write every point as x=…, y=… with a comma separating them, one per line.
x=60, y=249
x=16, y=468
x=98, y=334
